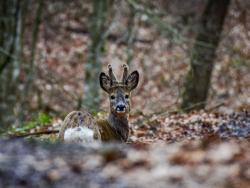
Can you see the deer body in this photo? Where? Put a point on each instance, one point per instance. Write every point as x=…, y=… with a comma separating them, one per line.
x=115, y=127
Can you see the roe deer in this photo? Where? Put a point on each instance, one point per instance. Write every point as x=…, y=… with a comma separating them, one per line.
x=81, y=127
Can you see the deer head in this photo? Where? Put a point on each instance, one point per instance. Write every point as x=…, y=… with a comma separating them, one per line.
x=119, y=92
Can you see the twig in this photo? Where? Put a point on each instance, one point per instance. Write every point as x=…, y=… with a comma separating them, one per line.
x=215, y=106
x=33, y=134
x=161, y=113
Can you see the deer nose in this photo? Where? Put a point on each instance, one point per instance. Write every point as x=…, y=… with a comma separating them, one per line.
x=120, y=108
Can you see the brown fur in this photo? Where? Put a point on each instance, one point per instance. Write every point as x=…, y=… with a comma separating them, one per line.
x=115, y=127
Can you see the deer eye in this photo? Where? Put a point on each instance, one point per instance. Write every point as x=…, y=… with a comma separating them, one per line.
x=126, y=96
x=112, y=97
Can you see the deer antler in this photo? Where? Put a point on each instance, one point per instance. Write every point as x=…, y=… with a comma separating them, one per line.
x=125, y=73
x=111, y=74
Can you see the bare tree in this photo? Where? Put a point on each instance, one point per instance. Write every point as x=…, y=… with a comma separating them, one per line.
x=10, y=51
x=14, y=89
x=98, y=31
x=203, y=55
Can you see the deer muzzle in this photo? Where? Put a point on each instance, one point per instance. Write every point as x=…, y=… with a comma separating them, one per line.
x=121, y=108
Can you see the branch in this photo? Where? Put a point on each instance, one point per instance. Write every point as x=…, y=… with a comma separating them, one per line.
x=111, y=37
x=214, y=107
x=155, y=18
x=32, y=134
x=6, y=62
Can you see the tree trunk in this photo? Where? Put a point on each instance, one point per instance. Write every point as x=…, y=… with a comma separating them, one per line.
x=203, y=55
x=93, y=67
x=29, y=67
x=131, y=34
x=13, y=90
x=10, y=45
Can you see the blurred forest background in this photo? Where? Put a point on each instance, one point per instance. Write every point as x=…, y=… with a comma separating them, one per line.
x=190, y=54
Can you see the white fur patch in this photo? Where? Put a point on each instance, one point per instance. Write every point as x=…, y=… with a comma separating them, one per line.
x=82, y=135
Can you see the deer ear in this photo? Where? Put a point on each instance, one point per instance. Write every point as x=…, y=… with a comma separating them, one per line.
x=105, y=82
x=132, y=80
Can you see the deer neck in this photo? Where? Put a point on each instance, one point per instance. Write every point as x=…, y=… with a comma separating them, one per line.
x=119, y=125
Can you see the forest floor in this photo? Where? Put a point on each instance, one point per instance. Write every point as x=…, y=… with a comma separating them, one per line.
x=179, y=151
